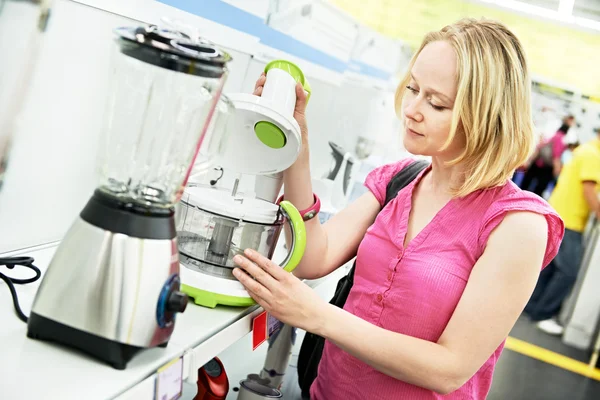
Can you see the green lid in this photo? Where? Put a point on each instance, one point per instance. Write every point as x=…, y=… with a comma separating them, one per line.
x=288, y=67
x=293, y=70
x=270, y=134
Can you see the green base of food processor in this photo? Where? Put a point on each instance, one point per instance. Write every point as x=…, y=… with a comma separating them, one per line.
x=211, y=300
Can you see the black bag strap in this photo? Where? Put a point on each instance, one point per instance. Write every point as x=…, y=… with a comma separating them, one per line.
x=402, y=179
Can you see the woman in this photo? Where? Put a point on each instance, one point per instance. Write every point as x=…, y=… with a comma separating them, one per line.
x=547, y=162
x=445, y=269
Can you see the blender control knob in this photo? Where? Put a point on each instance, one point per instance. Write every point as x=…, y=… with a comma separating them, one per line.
x=170, y=302
x=177, y=302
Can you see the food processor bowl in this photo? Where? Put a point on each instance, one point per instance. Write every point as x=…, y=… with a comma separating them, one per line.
x=213, y=227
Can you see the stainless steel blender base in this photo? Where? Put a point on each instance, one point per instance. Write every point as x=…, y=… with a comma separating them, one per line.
x=110, y=294
x=114, y=353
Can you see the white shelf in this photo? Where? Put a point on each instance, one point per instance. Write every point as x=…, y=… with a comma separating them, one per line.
x=35, y=369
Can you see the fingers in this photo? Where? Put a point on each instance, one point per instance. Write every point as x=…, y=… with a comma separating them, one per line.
x=259, y=273
x=272, y=269
x=300, y=99
x=260, y=83
x=254, y=288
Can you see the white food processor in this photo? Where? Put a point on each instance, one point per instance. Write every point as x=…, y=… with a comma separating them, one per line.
x=215, y=224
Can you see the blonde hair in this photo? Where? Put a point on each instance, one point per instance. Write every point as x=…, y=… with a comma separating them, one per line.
x=493, y=103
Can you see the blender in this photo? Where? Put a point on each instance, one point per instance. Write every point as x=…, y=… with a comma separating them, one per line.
x=113, y=285
x=215, y=224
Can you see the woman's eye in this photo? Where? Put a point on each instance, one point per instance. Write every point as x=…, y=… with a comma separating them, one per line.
x=438, y=108
x=412, y=89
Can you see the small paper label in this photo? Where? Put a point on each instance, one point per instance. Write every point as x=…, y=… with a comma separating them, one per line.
x=259, y=330
x=169, y=381
x=273, y=325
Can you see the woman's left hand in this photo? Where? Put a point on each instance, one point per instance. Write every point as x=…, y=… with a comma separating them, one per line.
x=279, y=292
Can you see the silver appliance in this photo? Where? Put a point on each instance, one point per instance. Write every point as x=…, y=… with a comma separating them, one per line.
x=112, y=287
x=342, y=165
x=254, y=388
x=580, y=313
x=267, y=384
x=22, y=27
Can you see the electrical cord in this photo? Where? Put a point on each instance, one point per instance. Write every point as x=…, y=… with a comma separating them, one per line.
x=213, y=182
x=10, y=263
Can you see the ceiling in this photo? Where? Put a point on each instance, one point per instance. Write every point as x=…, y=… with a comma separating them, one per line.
x=589, y=9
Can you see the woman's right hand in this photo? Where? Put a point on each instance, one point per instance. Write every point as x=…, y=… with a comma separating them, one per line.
x=299, y=110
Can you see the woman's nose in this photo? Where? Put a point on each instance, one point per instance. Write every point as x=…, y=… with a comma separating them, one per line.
x=411, y=109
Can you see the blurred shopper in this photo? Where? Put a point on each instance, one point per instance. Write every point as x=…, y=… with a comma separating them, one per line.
x=574, y=197
x=568, y=153
x=547, y=163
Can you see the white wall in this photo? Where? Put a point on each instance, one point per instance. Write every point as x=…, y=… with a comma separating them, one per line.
x=53, y=171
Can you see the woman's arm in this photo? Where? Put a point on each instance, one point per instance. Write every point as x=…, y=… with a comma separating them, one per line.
x=591, y=197
x=332, y=244
x=498, y=289
x=500, y=285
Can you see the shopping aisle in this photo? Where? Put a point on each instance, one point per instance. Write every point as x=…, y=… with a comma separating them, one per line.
x=518, y=376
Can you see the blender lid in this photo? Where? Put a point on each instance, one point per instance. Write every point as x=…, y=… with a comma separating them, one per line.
x=264, y=140
x=172, y=50
x=221, y=202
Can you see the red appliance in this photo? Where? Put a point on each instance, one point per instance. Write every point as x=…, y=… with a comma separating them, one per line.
x=212, y=381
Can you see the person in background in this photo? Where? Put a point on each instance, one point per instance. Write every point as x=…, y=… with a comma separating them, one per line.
x=568, y=153
x=547, y=163
x=574, y=197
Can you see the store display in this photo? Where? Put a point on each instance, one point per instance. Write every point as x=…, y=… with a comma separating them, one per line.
x=113, y=286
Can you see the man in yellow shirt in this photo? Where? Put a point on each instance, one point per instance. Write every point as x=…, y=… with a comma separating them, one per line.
x=574, y=198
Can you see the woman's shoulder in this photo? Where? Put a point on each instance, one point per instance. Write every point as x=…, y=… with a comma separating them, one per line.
x=510, y=199
x=511, y=196
x=379, y=177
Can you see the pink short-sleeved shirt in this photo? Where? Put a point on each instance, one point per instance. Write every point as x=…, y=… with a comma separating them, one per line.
x=415, y=290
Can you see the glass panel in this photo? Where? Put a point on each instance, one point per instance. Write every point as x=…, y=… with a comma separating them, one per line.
x=589, y=9
x=21, y=26
x=154, y=122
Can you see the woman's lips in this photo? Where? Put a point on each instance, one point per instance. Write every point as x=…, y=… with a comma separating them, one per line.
x=411, y=132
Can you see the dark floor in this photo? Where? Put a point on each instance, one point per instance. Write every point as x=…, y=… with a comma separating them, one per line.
x=525, y=330
x=518, y=377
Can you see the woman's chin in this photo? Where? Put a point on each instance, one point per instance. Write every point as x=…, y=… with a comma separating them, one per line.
x=412, y=147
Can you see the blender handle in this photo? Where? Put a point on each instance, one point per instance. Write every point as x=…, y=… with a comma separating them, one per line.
x=298, y=236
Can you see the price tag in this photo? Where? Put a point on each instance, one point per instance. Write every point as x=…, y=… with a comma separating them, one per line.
x=273, y=325
x=259, y=330
x=169, y=381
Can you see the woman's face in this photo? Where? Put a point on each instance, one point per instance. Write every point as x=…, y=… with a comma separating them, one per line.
x=428, y=102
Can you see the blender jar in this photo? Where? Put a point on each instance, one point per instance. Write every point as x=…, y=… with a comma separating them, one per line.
x=164, y=90
x=213, y=226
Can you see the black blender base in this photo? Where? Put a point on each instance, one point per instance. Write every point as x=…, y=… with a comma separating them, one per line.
x=114, y=353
